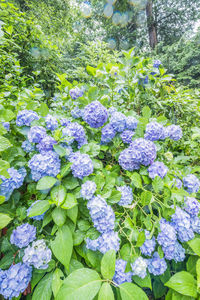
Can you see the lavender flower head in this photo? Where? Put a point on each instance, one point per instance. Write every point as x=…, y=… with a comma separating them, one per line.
x=111, y=110
x=174, y=132
x=145, y=150
x=107, y=134
x=126, y=195
x=157, y=169
x=131, y=123
x=28, y=147
x=120, y=275
x=88, y=189
x=105, y=242
x=82, y=165
x=127, y=136
x=129, y=159
x=95, y=114
x=36, y=134
x=6, y=125
x=76, y=113
x=26, y=117
x=46, y=144
x=23, y=235
x=76, y=93
x=192, y=206
x=51, y=122
x=167, y=236
x=139, y=267
x=157, y=265
x=38, y=218
x=195, y=224
x=64, y=122
x=75, y=132
x=182, y=223
x=154, y=131
x=118, y=121
x=177, y=182
x=149, y=245
x=156, y=63
x=191, y=183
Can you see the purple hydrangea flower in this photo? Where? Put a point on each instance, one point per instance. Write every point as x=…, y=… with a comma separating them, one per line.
x=15, y=280
x=107, y=134
x=126, y=195
x=174, y=251
x=182, y=224
x=191, y=183
x=37, y=255
x=131, y=123
x=192, y=206
x=47, y=164
x=156, y=63
x=118, y=121
x=64, y=122
x=157, y=169
x=23, y=235
x=46, y=144
x=82, y=165
x=51, y=122
x=139, y=267
x=38, y=218
x=36, y=134
x=28, y=147
x=167, y=236
x=157, y=265
x=174, y=132
x=76, y=93
x=120, y=275
x=177, y=183
x=88, y=189
x=195, y=224
x=95, y=114
x=154, y=131
x=149, y=245
x=105, y=242
x=145, y=151
x=6, y=125
x=129, y=159
x=127, y=136
x=26, y=117
x=75, y=132
x=77, y=113
x=111, y=110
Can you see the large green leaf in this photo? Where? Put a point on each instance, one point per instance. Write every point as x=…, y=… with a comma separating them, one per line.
x=157, y=184
x=184, y=283
x=39, y=208
x=195, y=245
x=82, y=284
x=6, y=115
x=43, y=290
x=130, y=291
x=106, y=292
x=136, y=179
x=57, y=281
x=70, y=201
x=72, y=213
x=198, y=273
x=62, y=245
x=59, y=216
x=4, y=220
x=58, y=194
x=108, y=264
x=46, y=182
x=4, y=143
x=146, y=282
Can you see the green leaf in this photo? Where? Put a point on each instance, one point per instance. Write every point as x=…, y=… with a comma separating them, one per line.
x=4, y=220
x=43, y=290
x=114, y=197
x=130, y=291
x=146, y=197
x=82, y=284
x=57, y=281
x=39, y=208
x=198, y=273
x=62, y=245
x=4, y=143
x=58, y=194
x=145, y=282
x=108, y=264
x=106, y=292
x=6, y=115
x=70, y=201
x=92, y=93
x=91, y=70
x=141, y=239
x=72, y=213
x=6, y=261
x=195, y=245
x=59, y=216
x=157, y=184
x=183, y=283
x=45, y=183
x=43, y=109
x=136, y=179
x=60, y=150
x=70, y=182
x=146, y=112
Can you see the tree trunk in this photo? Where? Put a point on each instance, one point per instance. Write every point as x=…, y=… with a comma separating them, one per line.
x=151, y=25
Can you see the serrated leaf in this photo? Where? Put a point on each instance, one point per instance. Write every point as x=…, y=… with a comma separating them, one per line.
x=157, y=184
x=136, y=180
x=70, y=201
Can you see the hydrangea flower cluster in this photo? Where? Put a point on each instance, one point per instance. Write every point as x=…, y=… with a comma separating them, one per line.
x=111, y=110
x=182, y=223
x=139, y=267
x=15, y=280
x=120, y=275
x=131, y=123
x=149, y=245
x=157, y=169
x=23, y=235
x=38, y=218
x=105, y=242
x=46, y=164
x=191, y=183
x=118, y=121
x=156, y=63
x=177, y=183
x=127, y=136
x=128, y=160
x=64, y=122
x=37, y=255
x=15, y=181
x=51, y=122
x=192, y=206
x=28, y=147
x=82, y=165
x=26, y=117
x=126, y=195
x=36, y=134
x=77, y=113
x=46, y=144
x=174, y=132
x=157, y=265
x=154, y=131
x=95, y=114
x=76, y=93
x=107, y=134
x=88, y=189
x=6, y=125
x=167, y=239
x=75, y=132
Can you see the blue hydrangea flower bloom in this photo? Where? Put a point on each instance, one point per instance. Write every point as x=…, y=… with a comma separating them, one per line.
x=139, y=267
x=157, y=265
x=154, y=131
x=76, y=93
x=8, y=185
x=15, y=280
x=191, y=183
x=195, y=224
x=129, y=159
x=182, y=223
x=47, y=164
x=68, y=149
x=192, y=206
x=120, y=275
x=64, y=122
x=174, y=132
x=88, y=189
x=95, y=114
x=77, y=113
x=149, y=245
x=156, y=63
x=37, y=255
x=131, y=123
x=38, y=218
x=26, y=117
x=157, y=169
x=36, y=134
x=23, y=235
x=175, y=252
x=46, y=144
x=82, y=165
x=126, y=195
x=6, y=125
x=127, y=136
x=28, y=147
x=107, y=134
x=177, y=183
x=146, y=151
x=74, y=131
x=111, y=110
x=105, y=242
x=51, y=122
x=167, y=236
x=118, y=121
